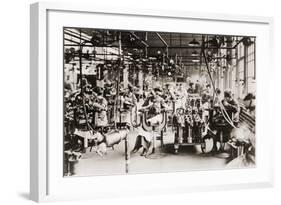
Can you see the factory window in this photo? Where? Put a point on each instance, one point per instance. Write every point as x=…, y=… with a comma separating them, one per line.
x=240, y=70
x=246, y=73
x=251, y=70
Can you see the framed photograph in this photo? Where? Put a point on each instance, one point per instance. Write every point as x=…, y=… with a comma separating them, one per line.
x=128, y=102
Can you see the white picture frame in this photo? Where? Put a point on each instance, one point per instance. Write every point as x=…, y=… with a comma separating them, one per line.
x=45, y=183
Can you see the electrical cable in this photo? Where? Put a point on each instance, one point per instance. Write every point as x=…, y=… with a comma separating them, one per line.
x=224, y=113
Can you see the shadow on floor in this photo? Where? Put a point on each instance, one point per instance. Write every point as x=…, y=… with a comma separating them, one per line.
x=24, y=195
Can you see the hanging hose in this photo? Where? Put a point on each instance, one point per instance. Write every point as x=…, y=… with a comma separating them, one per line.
x=224, y=113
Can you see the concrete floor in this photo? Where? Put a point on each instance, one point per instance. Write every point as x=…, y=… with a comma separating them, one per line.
x=189, y=158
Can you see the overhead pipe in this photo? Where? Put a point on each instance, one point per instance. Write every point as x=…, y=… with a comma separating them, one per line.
x=137, y=37
x=75, y=36
x=74, y=33
x=238, y=43
x=154, y=47
x=159, y=36
x=146, y=38
x=166, y=44
x=72, y=45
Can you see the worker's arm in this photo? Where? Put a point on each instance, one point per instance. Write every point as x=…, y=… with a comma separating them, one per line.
x=233, y=106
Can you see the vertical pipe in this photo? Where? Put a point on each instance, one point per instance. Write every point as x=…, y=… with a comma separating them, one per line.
x=146, y=37
x=255, y=58
x=180, y=50
x=120, y=64
x=153, y=140
x=245, y=69
x=189, y=136
x=230, y=68
x=161, y=137
x=80, y=62
x=127, y=154
x=140, y=80
x=237, y=73
x=116, y=103
x=180, y=133
x=125, y=76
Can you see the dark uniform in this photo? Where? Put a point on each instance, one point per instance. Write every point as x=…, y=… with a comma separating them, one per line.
x=223, y=119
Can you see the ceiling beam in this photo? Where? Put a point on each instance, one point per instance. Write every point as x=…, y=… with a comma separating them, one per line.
x=142, y=41
x=154, y=47
x=160, y=37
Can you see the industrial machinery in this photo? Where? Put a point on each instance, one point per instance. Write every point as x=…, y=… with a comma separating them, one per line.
x=155, y=124
x=189, y=125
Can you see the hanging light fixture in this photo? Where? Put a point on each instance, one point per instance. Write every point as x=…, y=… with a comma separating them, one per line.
x=194, y=53
x=195, y=60
x=194, y=42
x=214, y=43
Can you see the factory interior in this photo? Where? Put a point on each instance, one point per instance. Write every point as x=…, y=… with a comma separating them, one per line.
x=148, y=102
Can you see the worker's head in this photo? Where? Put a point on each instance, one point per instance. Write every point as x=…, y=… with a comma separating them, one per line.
x=130, y=88
x=195, y=110
x=79, y=99
x=218, y=91
x=158, y=91
x=227, y=95
x=98, y=91
x=189, y=110
x=191, y=85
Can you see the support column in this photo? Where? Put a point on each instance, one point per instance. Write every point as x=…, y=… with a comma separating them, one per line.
x=246, y=82
x=237, y=80
x=218, y=77
x=230, y=77
x=226, y=78
x=126, y=76
x=127, y=154
x=140, y=80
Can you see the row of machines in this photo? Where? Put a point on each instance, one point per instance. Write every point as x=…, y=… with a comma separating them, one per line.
x=189, y=123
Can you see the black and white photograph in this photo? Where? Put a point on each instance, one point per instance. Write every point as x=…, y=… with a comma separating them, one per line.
x=140, y=102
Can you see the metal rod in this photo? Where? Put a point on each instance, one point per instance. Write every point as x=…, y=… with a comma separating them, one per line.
x=74, y=36
x=80, y=64
x=159, y=36
x=245, y=68
x=255, y=58
x=171, y=56
x=127, y=154
x=78, y=34
x=117, y=103
x=143, y=42
x=150, y=47
x=238, y=43
x=72, y=45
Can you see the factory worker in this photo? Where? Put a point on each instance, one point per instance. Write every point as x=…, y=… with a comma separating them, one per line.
x=129, y=103
x=100, y=106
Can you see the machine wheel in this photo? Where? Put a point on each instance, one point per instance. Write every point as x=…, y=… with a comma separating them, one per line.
x=203, y=147
x=206, y=147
